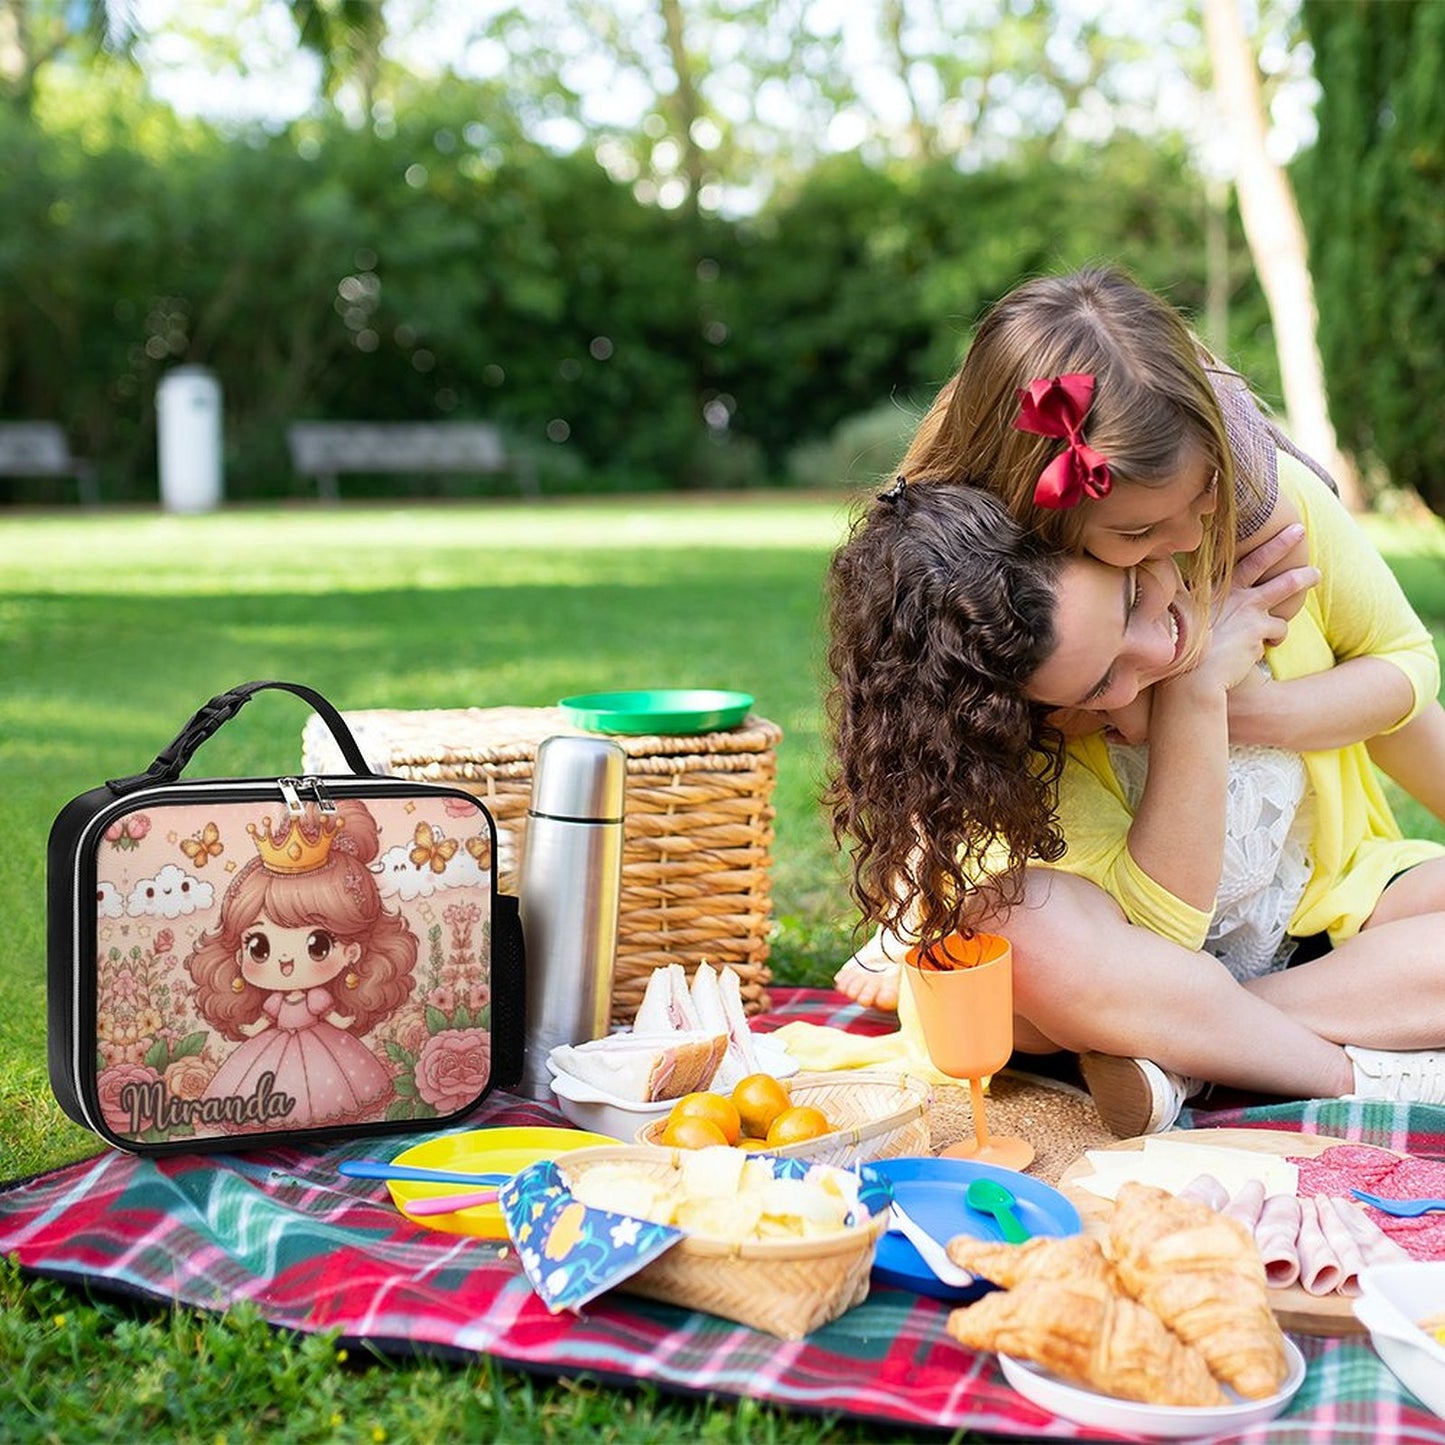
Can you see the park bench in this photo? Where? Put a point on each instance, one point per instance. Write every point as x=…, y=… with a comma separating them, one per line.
x=39, y=449
x=327, y=450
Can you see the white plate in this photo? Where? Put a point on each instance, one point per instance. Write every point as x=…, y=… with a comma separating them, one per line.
x=1393, y=1299
x=1161, y=1422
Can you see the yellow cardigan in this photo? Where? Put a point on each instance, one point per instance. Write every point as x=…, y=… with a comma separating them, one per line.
x=1357, y=610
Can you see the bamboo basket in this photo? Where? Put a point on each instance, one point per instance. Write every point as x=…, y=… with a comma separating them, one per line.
x=877, y=1116
x=697, y=835
x=786, y=1288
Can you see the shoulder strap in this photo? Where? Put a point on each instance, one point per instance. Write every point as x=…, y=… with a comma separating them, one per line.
x=221, y=709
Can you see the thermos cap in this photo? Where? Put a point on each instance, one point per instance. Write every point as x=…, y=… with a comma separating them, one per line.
x=582, y=778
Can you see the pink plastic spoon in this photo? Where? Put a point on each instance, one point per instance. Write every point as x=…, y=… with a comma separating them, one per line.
x=450, y=1203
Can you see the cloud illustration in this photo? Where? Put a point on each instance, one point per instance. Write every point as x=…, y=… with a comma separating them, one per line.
x=108, y=902
x=171, y=893
x=399, y=877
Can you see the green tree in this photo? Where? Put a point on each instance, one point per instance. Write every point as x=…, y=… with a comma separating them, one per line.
x=1370, y=192
x=38, y=33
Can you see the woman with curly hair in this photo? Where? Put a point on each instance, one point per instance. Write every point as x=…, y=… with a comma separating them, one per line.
x=1301, y=955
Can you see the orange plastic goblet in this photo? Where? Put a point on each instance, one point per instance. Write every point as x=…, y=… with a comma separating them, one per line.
x=963, y=991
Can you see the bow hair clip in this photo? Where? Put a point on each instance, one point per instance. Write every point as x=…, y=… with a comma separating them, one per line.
x=1056, y=407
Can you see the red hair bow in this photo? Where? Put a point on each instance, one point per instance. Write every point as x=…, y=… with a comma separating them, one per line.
x=1056, y=407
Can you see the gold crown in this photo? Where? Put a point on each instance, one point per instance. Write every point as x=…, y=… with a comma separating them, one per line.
x=296, y=850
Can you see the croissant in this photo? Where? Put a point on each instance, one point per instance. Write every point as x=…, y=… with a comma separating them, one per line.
x=1079, y=1256
x=1090, y=1335
x=1201, y=1273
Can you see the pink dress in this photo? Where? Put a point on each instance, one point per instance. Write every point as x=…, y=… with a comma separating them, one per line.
x=332, y=1075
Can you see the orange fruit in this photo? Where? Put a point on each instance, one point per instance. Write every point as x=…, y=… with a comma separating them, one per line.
x=716, y=1108
x=692, y=1133
x=797, y=1123
x=760, y=1098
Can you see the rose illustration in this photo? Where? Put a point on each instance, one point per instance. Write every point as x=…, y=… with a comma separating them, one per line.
x=187, y=1078
x=453, y=1067
x=111, y=1085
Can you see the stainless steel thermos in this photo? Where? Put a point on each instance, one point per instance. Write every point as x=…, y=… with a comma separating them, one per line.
x=568, y=893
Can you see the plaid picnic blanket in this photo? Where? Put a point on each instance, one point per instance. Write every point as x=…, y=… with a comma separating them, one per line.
x=314, y=1251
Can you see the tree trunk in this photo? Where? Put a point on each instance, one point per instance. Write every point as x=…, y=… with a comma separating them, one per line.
x=1276, y=239
x=686, y=108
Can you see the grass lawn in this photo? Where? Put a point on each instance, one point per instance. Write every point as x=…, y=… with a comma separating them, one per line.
x=113, y=628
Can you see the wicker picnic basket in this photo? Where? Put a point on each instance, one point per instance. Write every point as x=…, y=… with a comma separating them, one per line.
x=697, y=836
x=785, y=1287
x=876, y=1116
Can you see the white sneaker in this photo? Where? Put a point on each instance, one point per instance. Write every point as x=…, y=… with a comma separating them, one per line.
x=1408, y=1076
x=1135, y=1096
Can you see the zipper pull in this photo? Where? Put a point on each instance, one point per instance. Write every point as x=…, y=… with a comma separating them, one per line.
x=326, y=804
x=291, y=794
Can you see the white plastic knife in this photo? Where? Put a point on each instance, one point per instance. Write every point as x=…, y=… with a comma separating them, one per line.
x=932, y=1252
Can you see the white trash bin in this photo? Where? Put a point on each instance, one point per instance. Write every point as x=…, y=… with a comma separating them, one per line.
x=188, y=426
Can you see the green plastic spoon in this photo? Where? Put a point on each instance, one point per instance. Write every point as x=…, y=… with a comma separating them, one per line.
x=988, y=1196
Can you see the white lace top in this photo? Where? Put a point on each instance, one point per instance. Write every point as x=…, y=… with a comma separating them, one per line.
x=1268, y=819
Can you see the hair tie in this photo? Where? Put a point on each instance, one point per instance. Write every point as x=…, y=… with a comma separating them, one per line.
x=1056, y=407
x=893, y=493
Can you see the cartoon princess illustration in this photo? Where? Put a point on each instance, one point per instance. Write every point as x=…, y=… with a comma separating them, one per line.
x=304, y=960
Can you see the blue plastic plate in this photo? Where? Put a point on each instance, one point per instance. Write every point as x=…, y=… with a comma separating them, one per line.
x=932, y=1191
x=661, y=711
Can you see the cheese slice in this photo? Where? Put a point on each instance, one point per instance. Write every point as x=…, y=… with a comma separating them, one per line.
x=1171, y=1163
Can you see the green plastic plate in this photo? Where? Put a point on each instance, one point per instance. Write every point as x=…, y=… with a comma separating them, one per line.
x=661, y=710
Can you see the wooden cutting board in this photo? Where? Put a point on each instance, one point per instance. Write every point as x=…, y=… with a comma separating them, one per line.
x=1295, y=1308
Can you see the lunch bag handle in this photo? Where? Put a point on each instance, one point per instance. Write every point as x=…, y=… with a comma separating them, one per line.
x=221, y=709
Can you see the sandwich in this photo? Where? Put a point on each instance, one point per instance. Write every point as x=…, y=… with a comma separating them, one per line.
x=713, y=1003
x=645, y=1068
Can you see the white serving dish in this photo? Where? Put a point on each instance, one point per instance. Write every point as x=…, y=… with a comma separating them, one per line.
x=1154, y=1422
x=1393, y=1299
x=589, y=1108
x=599, y=1112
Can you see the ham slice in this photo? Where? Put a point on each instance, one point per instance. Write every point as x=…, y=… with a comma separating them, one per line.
x=1376, y=1247
x=1320, y=1271
x=1276, y=1234
x=1341, y=1242
x=1247, y=1204
x=1207, y=1190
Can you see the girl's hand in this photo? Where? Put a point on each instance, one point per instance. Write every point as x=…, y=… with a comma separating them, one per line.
x=1246, y=621
x=1284, y=513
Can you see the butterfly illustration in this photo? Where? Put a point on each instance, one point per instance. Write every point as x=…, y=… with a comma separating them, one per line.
x=481, y=850
x=431, y=850
x=204, y=846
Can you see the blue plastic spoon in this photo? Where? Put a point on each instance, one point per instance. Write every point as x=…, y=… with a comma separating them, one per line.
x=1401, y=1208
x=381, y=1169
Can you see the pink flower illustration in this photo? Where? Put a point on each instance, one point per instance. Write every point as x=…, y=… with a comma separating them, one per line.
x=453, y=1068
x=163, y=942
x=444, y=999
x=110, y=1086
x=479, y=995
x=458, y=808
x=139, y=824
x=187, y=1078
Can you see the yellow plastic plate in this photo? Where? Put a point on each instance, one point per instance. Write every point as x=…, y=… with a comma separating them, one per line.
x=481, y=1151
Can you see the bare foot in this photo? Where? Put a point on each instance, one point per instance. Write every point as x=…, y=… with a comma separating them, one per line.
x=870, y=977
